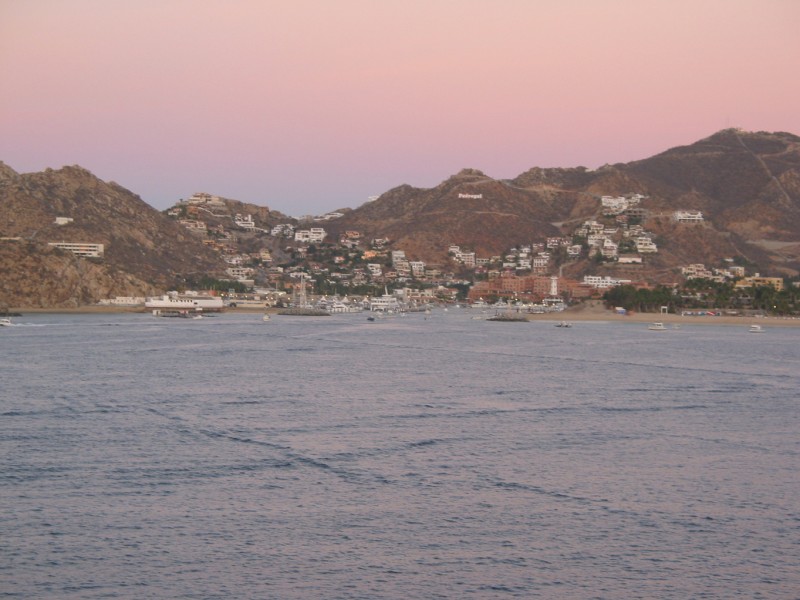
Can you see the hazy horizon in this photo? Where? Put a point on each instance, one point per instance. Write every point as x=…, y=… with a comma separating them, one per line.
x=310, y=106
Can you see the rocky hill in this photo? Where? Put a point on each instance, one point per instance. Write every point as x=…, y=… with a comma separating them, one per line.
x=468, y=208
x=746, y=184
x=144, y=250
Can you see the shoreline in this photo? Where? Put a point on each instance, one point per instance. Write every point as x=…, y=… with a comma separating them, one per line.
x=667, y=319
x=577, y=314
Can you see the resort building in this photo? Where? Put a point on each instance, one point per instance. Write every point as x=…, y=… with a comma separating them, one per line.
x=757, y=280
x=81, y=249
x=603, y=283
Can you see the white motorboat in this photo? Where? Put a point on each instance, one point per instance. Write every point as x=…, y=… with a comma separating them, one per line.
x=564, y=324
x=4, y=322
x=657, y=327
x=756, y=329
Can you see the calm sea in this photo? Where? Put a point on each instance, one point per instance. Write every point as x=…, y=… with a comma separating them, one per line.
x=406, y=458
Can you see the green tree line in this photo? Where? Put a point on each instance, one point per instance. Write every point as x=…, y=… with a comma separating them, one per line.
x=706, y=294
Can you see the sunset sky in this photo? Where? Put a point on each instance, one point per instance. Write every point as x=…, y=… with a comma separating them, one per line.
x=309, y=105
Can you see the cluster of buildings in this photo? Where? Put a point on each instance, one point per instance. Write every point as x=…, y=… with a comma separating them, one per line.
x=628, y=205
x=613, y=242
x=535, y=258
x=626, y=240
x=731, y=272
x=524, y=272
x=720, y=275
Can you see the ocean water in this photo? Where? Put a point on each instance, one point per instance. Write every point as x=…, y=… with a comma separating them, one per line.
x=406, y=458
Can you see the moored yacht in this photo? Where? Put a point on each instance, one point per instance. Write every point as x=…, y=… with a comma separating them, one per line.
x=176, y=301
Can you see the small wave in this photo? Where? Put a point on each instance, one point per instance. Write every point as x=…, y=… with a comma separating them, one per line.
x=636, y=409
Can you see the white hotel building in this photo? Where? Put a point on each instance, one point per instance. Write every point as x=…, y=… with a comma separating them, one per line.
x=81, y=249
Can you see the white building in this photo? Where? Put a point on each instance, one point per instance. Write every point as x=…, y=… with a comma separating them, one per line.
x=81, y=249
x=467, y=258
x=245, y=222
x=540, y=262
x=644, y=245
x=602, y=283
x=313, y=235
x=590, y=227
x=284, y=229
x=239, y=273
x=629, y=259
x=574, y=251
x=595, y=240
x=609, y=249
x=613, y=205
x=205, y=198
x=687, y=216
x=194, y=225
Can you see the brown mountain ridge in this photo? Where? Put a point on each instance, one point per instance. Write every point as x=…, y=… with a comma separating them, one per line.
x=747, y=184
x=144, y=250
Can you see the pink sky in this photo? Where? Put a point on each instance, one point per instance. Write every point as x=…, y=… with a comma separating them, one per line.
x=310, y=105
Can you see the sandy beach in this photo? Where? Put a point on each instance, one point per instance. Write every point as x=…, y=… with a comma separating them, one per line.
x=597, y=312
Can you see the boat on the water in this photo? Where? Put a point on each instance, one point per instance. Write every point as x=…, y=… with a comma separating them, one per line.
x=4, y=322
x=266, y=317
x=563, y=324
x=178, y=314
x=173, y=301
x=658, y=326
x=756, y=329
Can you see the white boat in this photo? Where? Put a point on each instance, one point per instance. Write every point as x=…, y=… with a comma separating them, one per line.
x=657, y=327
x=265, y=317
x=175, y=301
x=756, y=329
x=386, y=303
x=4, y=322
x=563, y=324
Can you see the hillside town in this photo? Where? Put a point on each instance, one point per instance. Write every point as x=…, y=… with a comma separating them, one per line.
x=712, y=224
x=299, y=257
